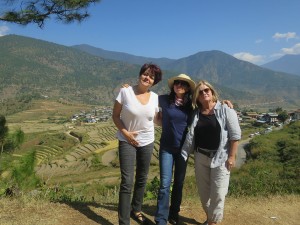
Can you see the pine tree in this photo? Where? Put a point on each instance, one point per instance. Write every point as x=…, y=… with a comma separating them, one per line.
x=38, y=11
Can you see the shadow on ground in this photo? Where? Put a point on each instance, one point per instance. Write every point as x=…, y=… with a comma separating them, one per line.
x=149, y=211
x=85, y=209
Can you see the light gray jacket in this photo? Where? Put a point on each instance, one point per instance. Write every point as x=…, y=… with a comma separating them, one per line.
x=230, y=130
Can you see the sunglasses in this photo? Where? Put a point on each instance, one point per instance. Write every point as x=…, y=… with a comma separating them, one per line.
x=206, y=90
x=181, y=82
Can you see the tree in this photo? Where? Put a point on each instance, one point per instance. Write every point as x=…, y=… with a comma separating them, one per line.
x=38, y=11
x=278, y=110
x=3, y=131
x=282, y=116
x=18, y=138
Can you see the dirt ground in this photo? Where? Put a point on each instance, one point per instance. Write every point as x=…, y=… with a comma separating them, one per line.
x=243, y=211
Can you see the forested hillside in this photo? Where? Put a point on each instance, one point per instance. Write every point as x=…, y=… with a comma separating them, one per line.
x=38, y=68
x=260, y=85
x=29, y=66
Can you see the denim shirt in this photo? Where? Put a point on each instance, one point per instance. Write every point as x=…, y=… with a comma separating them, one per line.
x=230, y=130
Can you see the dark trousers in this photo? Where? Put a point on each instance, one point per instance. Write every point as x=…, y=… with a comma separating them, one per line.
x=130, y=156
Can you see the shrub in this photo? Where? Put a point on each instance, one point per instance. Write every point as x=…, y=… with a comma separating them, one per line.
x=152, y=188
x=95, y=161
x=22, y=175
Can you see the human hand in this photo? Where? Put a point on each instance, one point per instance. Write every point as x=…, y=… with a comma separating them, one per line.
x=130, y=136
x=228, y=102
x=125, y=85
x=230, y=163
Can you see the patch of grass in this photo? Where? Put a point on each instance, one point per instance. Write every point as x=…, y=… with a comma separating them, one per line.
x=273, y=165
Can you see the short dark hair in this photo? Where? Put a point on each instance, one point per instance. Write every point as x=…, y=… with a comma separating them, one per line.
x=155, y=69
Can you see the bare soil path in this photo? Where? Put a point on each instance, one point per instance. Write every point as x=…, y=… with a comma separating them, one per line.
x=238, y=211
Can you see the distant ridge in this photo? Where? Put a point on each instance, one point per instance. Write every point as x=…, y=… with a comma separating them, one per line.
x=288, y=64
x=120, y=56
x=30, y=65
x=226, y=71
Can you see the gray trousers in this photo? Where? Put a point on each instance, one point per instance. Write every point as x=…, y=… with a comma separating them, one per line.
x=212, y=186
x=130, y=157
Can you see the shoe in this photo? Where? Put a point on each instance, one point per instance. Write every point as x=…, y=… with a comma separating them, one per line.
x=138, y=217
x=173, y=221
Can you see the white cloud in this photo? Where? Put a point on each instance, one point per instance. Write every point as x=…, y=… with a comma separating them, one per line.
x=258, y=41
x=293, y=50
x=287, y=36
x=3, y=30
x=246, y=56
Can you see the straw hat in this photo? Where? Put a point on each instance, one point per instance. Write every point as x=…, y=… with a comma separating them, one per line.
x=183, y=77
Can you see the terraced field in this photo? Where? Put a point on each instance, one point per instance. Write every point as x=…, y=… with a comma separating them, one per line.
x=97, y=152
x=61, y=156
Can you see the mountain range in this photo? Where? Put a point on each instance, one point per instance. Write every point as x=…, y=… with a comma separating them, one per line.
x=92, y=75
x=288, y=64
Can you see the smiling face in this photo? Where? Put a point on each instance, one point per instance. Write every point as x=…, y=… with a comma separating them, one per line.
x=147, y=78
x=152, y=71
x=204, y=94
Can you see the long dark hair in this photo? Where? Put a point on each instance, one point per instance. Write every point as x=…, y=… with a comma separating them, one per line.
x=187, y=98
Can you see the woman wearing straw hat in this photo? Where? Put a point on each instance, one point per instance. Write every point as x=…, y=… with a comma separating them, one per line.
x=176, y=108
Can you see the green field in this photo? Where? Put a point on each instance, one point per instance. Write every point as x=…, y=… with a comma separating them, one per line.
x=61, y=159
x=82, y=158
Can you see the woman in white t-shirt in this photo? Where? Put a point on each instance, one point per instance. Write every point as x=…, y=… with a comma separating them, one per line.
x=134, y=113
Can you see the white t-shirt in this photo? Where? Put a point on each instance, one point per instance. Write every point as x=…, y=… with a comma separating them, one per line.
x=136, y=116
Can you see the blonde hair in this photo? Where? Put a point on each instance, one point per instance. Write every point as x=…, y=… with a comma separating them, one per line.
x=215, y=96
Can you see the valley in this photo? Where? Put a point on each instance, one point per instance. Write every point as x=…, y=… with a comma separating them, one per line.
x=78, y=165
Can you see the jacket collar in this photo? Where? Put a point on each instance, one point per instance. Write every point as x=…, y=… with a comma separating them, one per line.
x=218, y=105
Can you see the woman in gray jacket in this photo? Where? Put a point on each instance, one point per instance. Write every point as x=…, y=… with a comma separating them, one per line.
x=213, y=137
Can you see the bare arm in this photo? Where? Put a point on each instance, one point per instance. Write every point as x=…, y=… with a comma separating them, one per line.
x=158, y=118
x=230, y=163
x=130, y=136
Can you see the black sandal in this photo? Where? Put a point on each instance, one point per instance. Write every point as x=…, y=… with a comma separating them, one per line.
x=138, y=217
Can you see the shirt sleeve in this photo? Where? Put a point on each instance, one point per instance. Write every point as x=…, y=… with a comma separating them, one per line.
x=232, y=124
x=188, y=145
x=120, y=97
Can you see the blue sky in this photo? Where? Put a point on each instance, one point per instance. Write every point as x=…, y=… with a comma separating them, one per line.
x=257, y=31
